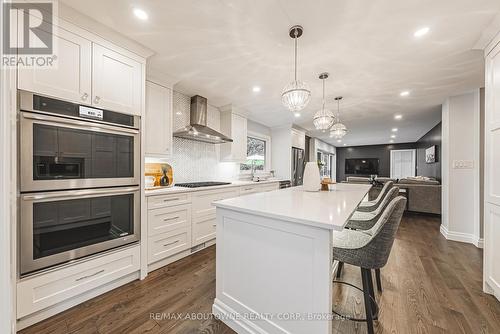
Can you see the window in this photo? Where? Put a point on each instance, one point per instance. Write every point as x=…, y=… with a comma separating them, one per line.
x=256, y=154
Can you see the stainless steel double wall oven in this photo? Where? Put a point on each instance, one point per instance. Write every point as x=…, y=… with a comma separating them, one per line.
x=79, y=180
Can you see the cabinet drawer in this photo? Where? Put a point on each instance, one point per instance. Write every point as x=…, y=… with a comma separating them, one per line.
x=204, y=229
x=245, y=190
x=45, y=290
x=203, y=201
x=161, y=201
x=168, y=218
x=268, y=187
x=167, y=244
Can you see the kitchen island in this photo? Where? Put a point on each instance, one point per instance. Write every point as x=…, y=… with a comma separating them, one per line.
x=274, y=258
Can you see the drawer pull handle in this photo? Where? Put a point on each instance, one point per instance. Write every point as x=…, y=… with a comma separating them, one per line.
x=248, y=188
x=171, y=243
x=170, y=199
x=214, y=225
x=170, y=218
x=88, y=276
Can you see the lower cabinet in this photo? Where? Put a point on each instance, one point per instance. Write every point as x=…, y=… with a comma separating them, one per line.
x=203, y=229
x=59, y=285
x=180, y=221
x=167, y=244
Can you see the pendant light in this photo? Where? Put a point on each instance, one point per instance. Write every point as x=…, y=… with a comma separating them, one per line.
x=296, y=95
x=338, y=130
x=324, y=118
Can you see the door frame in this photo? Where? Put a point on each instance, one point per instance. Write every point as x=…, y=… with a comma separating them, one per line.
x=414, y=160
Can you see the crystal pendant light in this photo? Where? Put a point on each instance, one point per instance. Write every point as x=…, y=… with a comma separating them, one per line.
x=324, y=118
x=296, y=95
x=338, y=130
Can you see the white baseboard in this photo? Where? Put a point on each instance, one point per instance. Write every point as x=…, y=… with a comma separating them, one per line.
x=461, y=237
x=238, y=324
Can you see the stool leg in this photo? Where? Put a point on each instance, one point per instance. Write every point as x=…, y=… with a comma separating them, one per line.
x=372, y=294
x=379, y=281
x=339, y=269
x=365, y=276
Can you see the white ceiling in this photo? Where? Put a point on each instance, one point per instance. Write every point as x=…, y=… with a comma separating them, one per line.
x=222, y=48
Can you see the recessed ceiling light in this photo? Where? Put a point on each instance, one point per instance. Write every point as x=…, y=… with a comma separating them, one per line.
x=345, y=144
x=256, y=89
x=393, y=136
x=339, y=141
x=421, y=32
x=404, y=93
x=398, y=116
x=140, y=14
x=297, y=114
x=394, y=130
x=391, y=141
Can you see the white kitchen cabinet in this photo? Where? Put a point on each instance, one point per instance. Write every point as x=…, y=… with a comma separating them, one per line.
x=203, y=221
x=158, y=129
x=70, y=78
x=258, y=188
x=167, y=244
x=491, y=271
x=116, y=81
x=235, y=127
x=48, y=289
x=298, y=139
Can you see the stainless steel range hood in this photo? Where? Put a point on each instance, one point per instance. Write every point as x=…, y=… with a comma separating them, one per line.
x=198, y=129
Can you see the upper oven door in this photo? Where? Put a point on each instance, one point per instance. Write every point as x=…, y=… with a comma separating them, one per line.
x=62, y=153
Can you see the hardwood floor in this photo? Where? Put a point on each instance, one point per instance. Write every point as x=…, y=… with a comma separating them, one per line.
x=430, y=286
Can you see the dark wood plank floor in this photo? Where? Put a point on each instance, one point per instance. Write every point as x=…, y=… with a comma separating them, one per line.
x=430, y=286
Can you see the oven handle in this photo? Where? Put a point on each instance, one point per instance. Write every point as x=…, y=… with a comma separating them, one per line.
x=82, y=124
x=79, y=193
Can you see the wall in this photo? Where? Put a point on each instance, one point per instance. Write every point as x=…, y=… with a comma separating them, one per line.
x=382, y=152
x=461, y=118
x=433, y=137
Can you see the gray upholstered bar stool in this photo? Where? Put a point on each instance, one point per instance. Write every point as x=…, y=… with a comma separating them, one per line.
x=372, y=205
x=364, y=221
x=369, y=251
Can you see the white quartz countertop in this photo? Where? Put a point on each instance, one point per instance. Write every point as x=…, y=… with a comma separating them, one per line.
x=174, y=189
x=324, y=209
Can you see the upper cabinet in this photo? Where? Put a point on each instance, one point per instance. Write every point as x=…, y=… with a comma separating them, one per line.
x=71, y=78
x=87, y=72
x=235, y=127
x=116, y=81
x=298, y=139
x=158, y=129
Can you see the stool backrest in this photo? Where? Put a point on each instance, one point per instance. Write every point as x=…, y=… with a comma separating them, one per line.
x=387, y=186
x=383, y=233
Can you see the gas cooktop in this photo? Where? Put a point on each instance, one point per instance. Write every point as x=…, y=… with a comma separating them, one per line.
x=201, y=184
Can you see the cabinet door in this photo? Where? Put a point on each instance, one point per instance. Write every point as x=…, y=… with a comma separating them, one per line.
x=158, y=120
x=491, y=175
x=116, y=81
x=70, y=78
x=239, y=133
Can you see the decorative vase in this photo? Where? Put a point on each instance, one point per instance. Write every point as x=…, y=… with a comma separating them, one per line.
x=312, y=179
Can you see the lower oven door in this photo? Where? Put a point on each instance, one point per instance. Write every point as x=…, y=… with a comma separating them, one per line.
x=61, y=226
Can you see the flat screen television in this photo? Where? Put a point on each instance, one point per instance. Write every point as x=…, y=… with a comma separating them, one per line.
x=362, y=166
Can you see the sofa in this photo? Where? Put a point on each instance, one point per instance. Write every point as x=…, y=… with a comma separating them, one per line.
x=423, y=194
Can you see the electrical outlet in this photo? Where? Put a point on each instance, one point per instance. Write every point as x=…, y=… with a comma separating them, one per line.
x=463, y=164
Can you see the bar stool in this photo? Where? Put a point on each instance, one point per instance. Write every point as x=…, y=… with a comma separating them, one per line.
x=372, y=205
x=369, y=251
x=364, y=221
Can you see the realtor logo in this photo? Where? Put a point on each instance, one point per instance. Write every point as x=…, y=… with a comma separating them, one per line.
x=28, y=34
x=34, y=32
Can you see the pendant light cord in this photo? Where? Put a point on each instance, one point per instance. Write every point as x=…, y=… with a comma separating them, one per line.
x=296, y=33
x=324, y=93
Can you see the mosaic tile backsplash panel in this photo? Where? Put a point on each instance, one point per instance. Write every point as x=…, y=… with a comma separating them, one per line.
x=192, y=160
